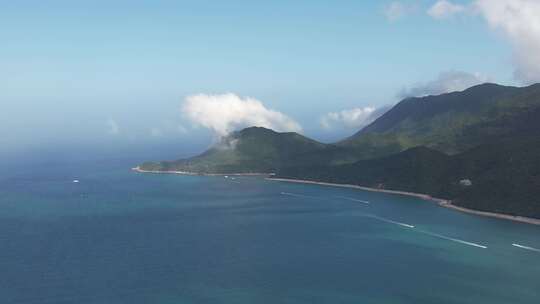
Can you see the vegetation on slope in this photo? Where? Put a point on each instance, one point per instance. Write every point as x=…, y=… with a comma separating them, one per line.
x=251, y=150
x=504, y=175
x=450, y=123
x=488, y=134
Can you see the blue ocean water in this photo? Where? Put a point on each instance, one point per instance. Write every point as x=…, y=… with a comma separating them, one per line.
x=119, y=237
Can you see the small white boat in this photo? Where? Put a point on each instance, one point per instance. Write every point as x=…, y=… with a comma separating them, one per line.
x=75, y=180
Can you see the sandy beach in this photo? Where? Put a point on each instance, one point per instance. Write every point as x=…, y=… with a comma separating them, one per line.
x=441, y=202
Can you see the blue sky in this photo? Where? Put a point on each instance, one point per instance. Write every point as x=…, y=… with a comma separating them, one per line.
x=118, y=73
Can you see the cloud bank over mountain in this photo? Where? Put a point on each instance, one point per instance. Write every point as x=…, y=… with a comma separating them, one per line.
x=518, y=21
x=448, y=81
x=224, y=113
x=356, y=118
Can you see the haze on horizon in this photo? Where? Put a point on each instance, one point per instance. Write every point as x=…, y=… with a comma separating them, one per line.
x=155, y=75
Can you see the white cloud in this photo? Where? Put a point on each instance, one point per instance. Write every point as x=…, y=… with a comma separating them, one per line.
x=446, y=82
x=519, y=21
x=113, y=127
x=353, y=118
x=397, y=10
x=227, y=144
x=445, y=9
x=226, y=112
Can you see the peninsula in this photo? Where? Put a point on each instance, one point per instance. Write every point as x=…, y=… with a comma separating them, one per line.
x=478, y=149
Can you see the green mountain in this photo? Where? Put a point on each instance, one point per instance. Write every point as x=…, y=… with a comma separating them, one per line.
x=504, y=175
x=251, y=150
x=488, y=135
x=451, y=123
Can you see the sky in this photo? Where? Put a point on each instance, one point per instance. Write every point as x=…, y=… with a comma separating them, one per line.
x=173, y=76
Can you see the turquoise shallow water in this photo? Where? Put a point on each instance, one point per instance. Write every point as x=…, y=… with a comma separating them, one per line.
x=121, y=237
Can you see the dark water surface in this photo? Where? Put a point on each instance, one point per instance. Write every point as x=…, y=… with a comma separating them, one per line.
x=118, y=237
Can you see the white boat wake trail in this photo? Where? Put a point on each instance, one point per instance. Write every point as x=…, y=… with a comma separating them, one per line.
x=391, y=221
x=382, y=219
x=353, y=199
x=440, y=236
x=452, y=239
x=322, y=198
x=526, y=247
x=299, y=195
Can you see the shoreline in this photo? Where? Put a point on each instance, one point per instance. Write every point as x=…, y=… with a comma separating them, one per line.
x=439, y=201
x=138, y=169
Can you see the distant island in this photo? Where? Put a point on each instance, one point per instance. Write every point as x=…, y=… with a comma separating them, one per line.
x=478, y=149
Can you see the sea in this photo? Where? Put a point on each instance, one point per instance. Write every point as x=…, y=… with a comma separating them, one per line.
x=98, y=233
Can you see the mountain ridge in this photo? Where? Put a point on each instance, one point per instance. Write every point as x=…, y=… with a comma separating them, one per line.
x=425, y=145
x=442, y=121
x=253, y=149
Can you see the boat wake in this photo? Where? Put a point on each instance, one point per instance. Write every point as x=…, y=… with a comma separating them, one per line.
x=526, y=247
x=353, y=199
x=440, y=236
x=299, y=195
x=391, y=221
x=409, y=226
x=322, y=198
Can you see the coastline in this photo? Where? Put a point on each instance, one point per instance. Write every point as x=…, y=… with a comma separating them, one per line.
x=439, y=201
x=138, y=169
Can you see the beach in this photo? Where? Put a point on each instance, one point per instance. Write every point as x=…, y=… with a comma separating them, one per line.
x=439, y=201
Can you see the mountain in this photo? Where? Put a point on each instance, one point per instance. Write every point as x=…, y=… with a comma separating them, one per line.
x=251, y=150
x=488, y=135
x=504, y=175
x=451, y=123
